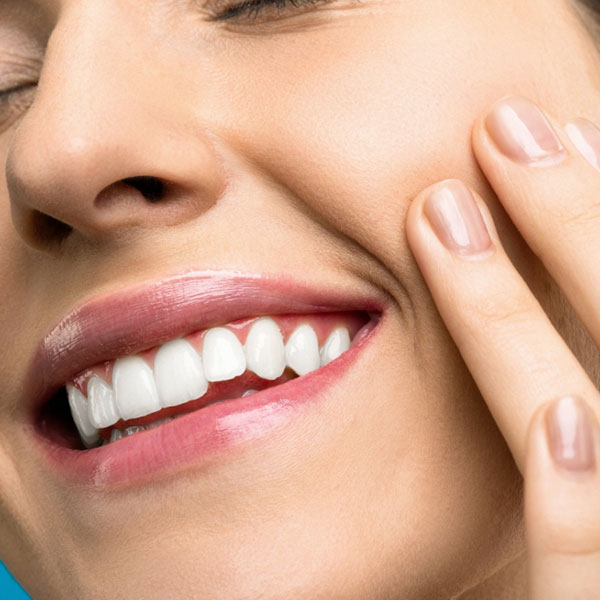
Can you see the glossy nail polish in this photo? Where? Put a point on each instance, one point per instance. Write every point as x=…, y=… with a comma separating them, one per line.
x=570, y=435
x=456, y=220
x=522, y=132
x=586, y=138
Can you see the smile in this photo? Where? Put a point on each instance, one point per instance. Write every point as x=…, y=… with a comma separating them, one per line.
x=144, y=391
x=179, y=370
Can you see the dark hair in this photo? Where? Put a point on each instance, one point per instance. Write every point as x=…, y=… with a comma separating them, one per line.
x=589, y=11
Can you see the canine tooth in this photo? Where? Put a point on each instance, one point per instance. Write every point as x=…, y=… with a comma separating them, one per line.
x=302, y=350
x=222, y=355
x=79, y=410
x=135, y=390
x=102, y=410
x=116, y=434
x=336, y=344
x=178, y=373
x=265, y=353
x=133, y=429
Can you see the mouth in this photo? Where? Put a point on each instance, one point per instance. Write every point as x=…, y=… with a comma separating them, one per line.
x=132, y=383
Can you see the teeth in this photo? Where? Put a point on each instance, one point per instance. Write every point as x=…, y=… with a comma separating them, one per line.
x=116, y=434
x=336, y=344
x=79, y=409
x=222, y=355
x=135, y=390
x=178, y=373
x=102, y=410
x=182, y=374
x=133, y=429
x=265, y=353
x=159, y=422
x=302, y=350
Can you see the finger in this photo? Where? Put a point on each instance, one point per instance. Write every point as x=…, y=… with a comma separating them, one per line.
x=516, y=357
x=562, y=502
x=551, y=191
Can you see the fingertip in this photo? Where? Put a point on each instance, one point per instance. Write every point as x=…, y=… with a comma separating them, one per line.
x=478, y=132
x=456, y=216
x=570, y=426
x=563, y=437
x=585, y=136
x=562, y=483
x=417, y=224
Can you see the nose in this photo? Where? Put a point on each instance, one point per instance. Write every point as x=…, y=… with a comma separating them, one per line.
x=111, y=141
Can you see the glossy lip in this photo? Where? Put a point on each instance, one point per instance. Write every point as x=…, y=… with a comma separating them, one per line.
x=200, y=438
x=136, y=319
x=131, y=320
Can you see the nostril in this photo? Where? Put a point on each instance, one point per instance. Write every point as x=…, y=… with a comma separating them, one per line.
x=151, y=188
x=47, y=230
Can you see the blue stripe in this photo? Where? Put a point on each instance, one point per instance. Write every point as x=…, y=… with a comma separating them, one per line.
x=9, y=588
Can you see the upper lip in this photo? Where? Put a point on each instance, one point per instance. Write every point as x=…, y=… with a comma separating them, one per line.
x=146, y=315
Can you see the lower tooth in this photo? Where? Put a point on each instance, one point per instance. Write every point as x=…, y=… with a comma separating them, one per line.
x=133, y=429
x=116, y=434
x=159, y=422
x=249, y=393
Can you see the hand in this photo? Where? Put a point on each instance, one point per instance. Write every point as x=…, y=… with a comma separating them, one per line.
x=548, y=180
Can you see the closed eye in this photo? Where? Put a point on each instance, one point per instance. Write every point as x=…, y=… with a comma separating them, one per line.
x=252, y=9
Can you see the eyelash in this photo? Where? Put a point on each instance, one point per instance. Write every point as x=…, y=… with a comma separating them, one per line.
x=252, y=9
x=5, y=94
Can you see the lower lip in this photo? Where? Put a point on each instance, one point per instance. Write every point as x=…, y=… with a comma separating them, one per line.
x=204, y=436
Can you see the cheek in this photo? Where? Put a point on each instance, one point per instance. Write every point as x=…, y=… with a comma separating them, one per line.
x=355, y=121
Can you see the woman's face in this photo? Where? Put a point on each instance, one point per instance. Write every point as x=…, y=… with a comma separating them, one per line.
x=287, y=148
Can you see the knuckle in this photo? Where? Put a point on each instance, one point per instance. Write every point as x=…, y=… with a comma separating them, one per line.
x=503, y=309
x=581, y=216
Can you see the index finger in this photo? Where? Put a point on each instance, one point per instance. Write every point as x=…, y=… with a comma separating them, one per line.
x=516, y=357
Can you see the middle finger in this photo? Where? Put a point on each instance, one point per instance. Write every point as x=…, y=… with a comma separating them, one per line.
x=550, y=191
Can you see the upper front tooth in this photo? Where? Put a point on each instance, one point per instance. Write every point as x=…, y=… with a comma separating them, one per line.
x=265, y=353
x=222, y=355
x=302, y=350
x=101, y=403
x=135, y=390
x=336, y=344
x=79, y=409
x=178, y=373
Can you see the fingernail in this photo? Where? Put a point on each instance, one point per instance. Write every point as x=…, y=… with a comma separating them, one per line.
x=456, y=220
x=570, y=436
x=523, y=133
x=586, y=138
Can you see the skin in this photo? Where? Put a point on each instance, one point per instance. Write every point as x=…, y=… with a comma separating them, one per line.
x=318, y=131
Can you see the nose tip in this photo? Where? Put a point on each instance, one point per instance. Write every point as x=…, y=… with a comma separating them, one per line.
x=120, y=179
x=105, y=146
